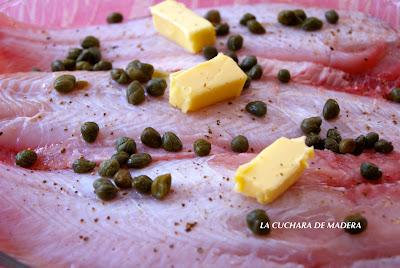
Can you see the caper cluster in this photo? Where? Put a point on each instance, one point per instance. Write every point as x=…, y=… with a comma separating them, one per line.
x=250, y=66
x=221, y=28
x=252, y=24
x=299, y=18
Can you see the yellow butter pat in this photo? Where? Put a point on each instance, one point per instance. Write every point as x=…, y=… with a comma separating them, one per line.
x=183, y=26
x=273, y=170
x=206, y=83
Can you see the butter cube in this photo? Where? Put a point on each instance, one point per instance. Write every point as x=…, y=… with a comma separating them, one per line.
x=273, y=170
x=183, y=26
x=206, y=83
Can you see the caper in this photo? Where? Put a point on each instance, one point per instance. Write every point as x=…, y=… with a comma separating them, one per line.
x=235, y=42
x=151, y=138
x=135, y=93
x=383, y=146
x=161, y=186
x=123, y=179
x=139, y=160
x=288, y=18
x=255, y=72
x=101, y=181
x=300, y=14
x=246, y=17
x=315, y=141
x=248, y=62
x=255, y=27
x=370, y=139
x=331, y=16
x=156, y=87
x=171, y=142
x=332, y=145
x=90, y=41
x=115, y=17
x=106, y=192
x=222, y=29
x=83, y=66
x=334, y=134
x=358, y=223
x=82, y=165
x=89, y=131
x=360, y=144
x=284, y=76
x=69, y=64
x=258, y=222
x=102, y=65
x=257, y=108
x=311, y=125
x=232, y=55
x=91, y=55
x=370, y=171
x=57, y=66
x=142, y=184
x=201, y=147
x=347, y=146
x=311, y=24
x=394, y=94
x=64, y=83
x=247, y=83
x=240, y=144
x=108, y=168
x=121, y=156
x=125, y=144
x=140, y=71
x=26, y=158
x=74, y=53
x=120, y=76
x=213, y=16
x=331, y=109
x=209, y=52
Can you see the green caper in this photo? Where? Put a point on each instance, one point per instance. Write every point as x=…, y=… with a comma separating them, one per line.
x=102, y=65
x=360, y=144
x=383, y=146
x=123, y=179
x=370, y=139
x=83, y=66
x=26, y=158
x=64, y=83
x=257, y=108
x=106, y=192
x=161, y=186
x=139, y=160
x=140, y=71
x=331, y=109
x=255, y=72
x=120, y=76
x=235, y=42
x=240, y=144
x=246, y=17
x=82, y=165
x=255, y=27
x=300, y=14
x=201, y=147
x=311, y=125
x=171, y=142
x=209, y=52
x=108, y=168
x=115, y=17
x=311, y=24
x=74, y=53
x=91, y=55
x=69, y=64
x=288, y=18
x=247, y=83
x=357, y=223
x=394, y=94
x=101, y=181
x=125, y=144
x=57, y=66
x=232, y=55
x=121, y=156
x=331, y=16
x=142, y=184
x=222, y=29
x=135, y=93
x=315, y=141
x=332, y=145
x=89, y=131
x=213, y=16
x=333, y=133
x=258, y=222
x=370, y=171
x=347, y=146
x=156, y=87
x=151, y=138
x=90, y=41
x=248, y=62
x=284, y=76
